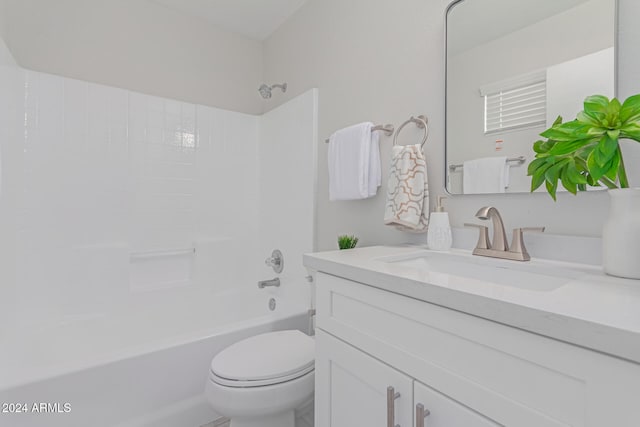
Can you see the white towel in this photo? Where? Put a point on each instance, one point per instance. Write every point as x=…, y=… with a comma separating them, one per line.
x=407, y=206
x=485, y=175
x=375, y=168
x=354, y=163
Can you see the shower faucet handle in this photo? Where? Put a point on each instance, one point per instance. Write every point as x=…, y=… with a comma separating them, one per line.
x=275, y=261
x=271, y=261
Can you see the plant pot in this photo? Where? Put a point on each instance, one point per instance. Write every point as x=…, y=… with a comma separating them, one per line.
x=621, y=234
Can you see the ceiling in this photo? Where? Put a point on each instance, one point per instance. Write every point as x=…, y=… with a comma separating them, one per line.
x=255, y=19
x=478, y=22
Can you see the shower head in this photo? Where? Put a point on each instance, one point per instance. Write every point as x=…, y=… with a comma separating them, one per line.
x=265, y=91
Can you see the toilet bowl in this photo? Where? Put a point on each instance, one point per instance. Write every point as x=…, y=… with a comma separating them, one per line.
x=260, y=381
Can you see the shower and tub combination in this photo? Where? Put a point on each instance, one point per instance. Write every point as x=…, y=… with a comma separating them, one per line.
x=128, y=370
x=136, y=231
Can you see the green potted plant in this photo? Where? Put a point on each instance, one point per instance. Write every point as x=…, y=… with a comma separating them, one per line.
x=586, y=152
x=347, y=242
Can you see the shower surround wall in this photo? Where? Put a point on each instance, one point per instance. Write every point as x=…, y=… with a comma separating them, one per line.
x=288, y=146
x=93, y=177
x=96, y=183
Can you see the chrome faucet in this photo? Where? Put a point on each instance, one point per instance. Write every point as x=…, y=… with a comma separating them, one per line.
x=498, y=247
x=266, y=283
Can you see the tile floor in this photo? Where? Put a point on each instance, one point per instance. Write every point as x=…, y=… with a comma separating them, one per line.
x=304, y=418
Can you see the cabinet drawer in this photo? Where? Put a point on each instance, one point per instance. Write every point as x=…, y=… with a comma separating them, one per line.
x=514, y=377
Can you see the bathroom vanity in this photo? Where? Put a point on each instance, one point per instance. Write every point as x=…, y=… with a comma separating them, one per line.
x=409, y=337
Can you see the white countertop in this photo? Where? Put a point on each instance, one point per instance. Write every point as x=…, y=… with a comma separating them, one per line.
x=591, y=309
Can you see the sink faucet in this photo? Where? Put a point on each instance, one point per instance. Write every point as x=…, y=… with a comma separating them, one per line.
x=499, y=242
x=498, y=247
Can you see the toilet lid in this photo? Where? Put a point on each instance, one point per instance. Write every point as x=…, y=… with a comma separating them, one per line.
x=266, y=357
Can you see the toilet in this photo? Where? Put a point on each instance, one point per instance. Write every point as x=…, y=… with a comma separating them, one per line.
x=260, y=381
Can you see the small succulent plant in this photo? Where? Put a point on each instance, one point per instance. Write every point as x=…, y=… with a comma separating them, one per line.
x=347, y=242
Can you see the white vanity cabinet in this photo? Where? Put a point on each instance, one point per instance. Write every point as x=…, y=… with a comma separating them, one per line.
x=466, y=371
x=352, y=387
x=355, y=389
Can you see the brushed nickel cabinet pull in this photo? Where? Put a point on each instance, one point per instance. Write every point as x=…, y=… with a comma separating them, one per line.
x=421, y=414
x=391, y=407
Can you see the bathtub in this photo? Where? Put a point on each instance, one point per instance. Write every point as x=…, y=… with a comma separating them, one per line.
x=142, y=365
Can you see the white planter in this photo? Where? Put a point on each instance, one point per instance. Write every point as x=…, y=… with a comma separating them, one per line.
x=621, y=234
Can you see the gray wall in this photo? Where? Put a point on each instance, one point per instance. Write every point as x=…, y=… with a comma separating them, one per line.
x=383, y=61
x=5, y=55
x=3, y=18
x=137, y=45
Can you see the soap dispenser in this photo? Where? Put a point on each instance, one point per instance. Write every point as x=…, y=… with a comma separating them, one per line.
x=439, y=230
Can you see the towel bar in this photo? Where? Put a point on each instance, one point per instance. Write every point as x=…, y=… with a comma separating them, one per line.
x=387, y=129
x=517, y=160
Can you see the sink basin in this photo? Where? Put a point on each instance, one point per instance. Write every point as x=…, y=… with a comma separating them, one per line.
x=534, y=276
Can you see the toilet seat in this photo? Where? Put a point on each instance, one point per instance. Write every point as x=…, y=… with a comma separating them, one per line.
x=266, y=359
x=259, y=383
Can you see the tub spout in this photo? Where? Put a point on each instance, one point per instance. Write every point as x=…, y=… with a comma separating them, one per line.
x=265, y=283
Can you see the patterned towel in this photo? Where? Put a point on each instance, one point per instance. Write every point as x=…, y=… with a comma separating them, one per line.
x=407, y=206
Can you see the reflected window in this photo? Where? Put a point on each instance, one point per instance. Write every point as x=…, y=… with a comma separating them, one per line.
x=515, y=104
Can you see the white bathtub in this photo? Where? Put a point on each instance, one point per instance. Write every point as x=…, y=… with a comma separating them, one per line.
x=139, y=366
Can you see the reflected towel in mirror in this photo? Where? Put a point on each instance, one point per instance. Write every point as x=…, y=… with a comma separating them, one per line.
x=485, y=175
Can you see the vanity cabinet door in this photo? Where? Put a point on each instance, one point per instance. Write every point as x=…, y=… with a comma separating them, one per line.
x=352, y=388
x=445, y=412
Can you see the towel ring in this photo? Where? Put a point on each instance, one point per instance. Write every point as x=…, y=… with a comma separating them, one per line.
x=421, y=122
